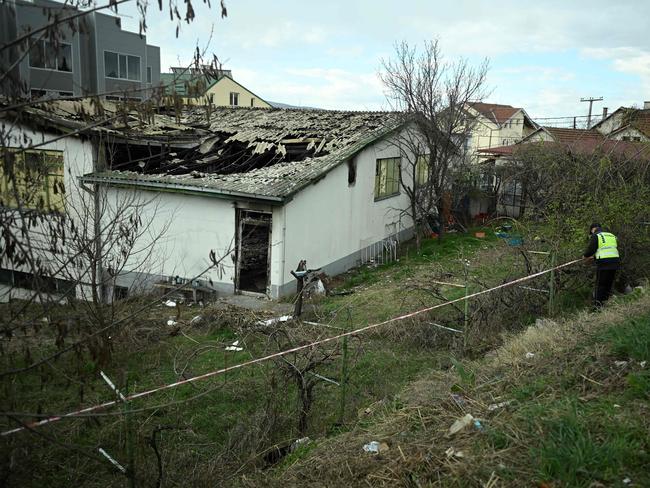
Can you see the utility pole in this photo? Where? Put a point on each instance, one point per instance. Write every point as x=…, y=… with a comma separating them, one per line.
x=591, y=101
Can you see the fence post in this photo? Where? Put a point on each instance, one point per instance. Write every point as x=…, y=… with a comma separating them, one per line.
x=344, y=371
x=551, y=285
x=466, y=323
x=130, y=443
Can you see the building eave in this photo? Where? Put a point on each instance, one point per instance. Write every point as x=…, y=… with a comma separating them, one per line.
x=169, y=187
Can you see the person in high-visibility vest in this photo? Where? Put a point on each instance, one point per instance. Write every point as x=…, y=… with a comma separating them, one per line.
x=603, y=248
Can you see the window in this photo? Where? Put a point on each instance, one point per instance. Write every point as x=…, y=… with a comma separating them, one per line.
x=149, y=74
x=387, y=177
x=34, y=180
x=252, y=102
x=422, y=170
x=46, y=55
x=122, y=66
x=110, y=65
x=28, y=281
x=234, y=99
x=134, y=68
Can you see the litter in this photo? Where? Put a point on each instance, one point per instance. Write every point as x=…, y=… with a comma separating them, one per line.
x=170, y=303
x=452, y=452
x=458, y=399
x=460, y=424
x=171, y=322
x=234, y=347
x=495, y=406
x=303, y=441
x=376, y=447
x=620, y=364
x=627, y=481
x=477, y=424
x=275, y=320
x=195, y=320
x=530, y=355
x=642, y=364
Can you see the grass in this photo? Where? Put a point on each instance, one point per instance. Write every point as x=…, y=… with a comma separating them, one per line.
x=205, y=431
x=576, y=418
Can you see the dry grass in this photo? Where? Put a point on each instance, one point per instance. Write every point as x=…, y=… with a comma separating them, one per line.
x=415, y=425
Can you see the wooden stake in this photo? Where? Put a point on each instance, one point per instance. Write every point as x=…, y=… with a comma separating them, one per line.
x=344, y=371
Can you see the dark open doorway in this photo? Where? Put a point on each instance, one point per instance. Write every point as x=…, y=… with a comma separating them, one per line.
x=253, y=251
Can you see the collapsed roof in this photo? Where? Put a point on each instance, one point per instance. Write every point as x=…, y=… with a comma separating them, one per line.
x=263, y=153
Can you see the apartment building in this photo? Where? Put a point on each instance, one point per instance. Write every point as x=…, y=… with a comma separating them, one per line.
x=87, y=55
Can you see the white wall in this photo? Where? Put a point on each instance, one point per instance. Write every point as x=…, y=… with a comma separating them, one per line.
x=190, y=227
x=329, y=220
x=77, y=158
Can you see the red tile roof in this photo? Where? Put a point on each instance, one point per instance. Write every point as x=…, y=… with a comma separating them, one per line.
x=495, y=112
x=641, y=121
x=585, y=146
x=570, y=136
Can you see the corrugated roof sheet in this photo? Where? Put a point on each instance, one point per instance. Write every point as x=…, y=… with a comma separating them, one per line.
x=330, y=136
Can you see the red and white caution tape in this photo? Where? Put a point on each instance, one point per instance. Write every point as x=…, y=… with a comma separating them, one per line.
x=135, y=396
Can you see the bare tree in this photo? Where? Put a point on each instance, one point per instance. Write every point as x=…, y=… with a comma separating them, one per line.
x=433, y=96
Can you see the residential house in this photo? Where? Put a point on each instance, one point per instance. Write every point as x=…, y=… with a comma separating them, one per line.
x=263, y=188
x=271, y=188
x=496, y=125
x=56, y=161
x=627, y=124
x=209, y=87
x=93, y=55
x=575, y=141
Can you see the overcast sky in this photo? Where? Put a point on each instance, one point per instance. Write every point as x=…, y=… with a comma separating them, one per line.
x=544, y=56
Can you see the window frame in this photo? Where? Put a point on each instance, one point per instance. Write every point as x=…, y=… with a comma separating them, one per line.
x=43, y=42
x=394, y=179
x=149, y=75
x=119, y=67
x=235, y=99
x=421, y=165
x=51, y=180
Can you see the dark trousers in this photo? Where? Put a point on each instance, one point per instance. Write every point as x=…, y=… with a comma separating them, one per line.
x=604, y=283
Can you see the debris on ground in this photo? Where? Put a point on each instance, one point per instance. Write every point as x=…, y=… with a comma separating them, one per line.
x=170, y=303
x=458, y=400
x=530, y=355
x=171, y=322
x=234, y=347
x=197, y=319
x=496, y=406
x=461, y=424
x=620, y=364
x=453, y=453
x=376, y=447
x=303, y=441
x=275, y=320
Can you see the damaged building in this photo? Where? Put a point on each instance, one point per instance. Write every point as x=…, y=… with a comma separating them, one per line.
x=264, y=188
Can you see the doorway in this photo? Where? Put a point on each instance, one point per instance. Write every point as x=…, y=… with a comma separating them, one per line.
x=253, y=251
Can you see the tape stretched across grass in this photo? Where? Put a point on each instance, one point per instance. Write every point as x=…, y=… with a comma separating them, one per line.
x=135, y=396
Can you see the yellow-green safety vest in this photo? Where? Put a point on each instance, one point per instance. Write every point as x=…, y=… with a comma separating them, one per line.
x=607, y=246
